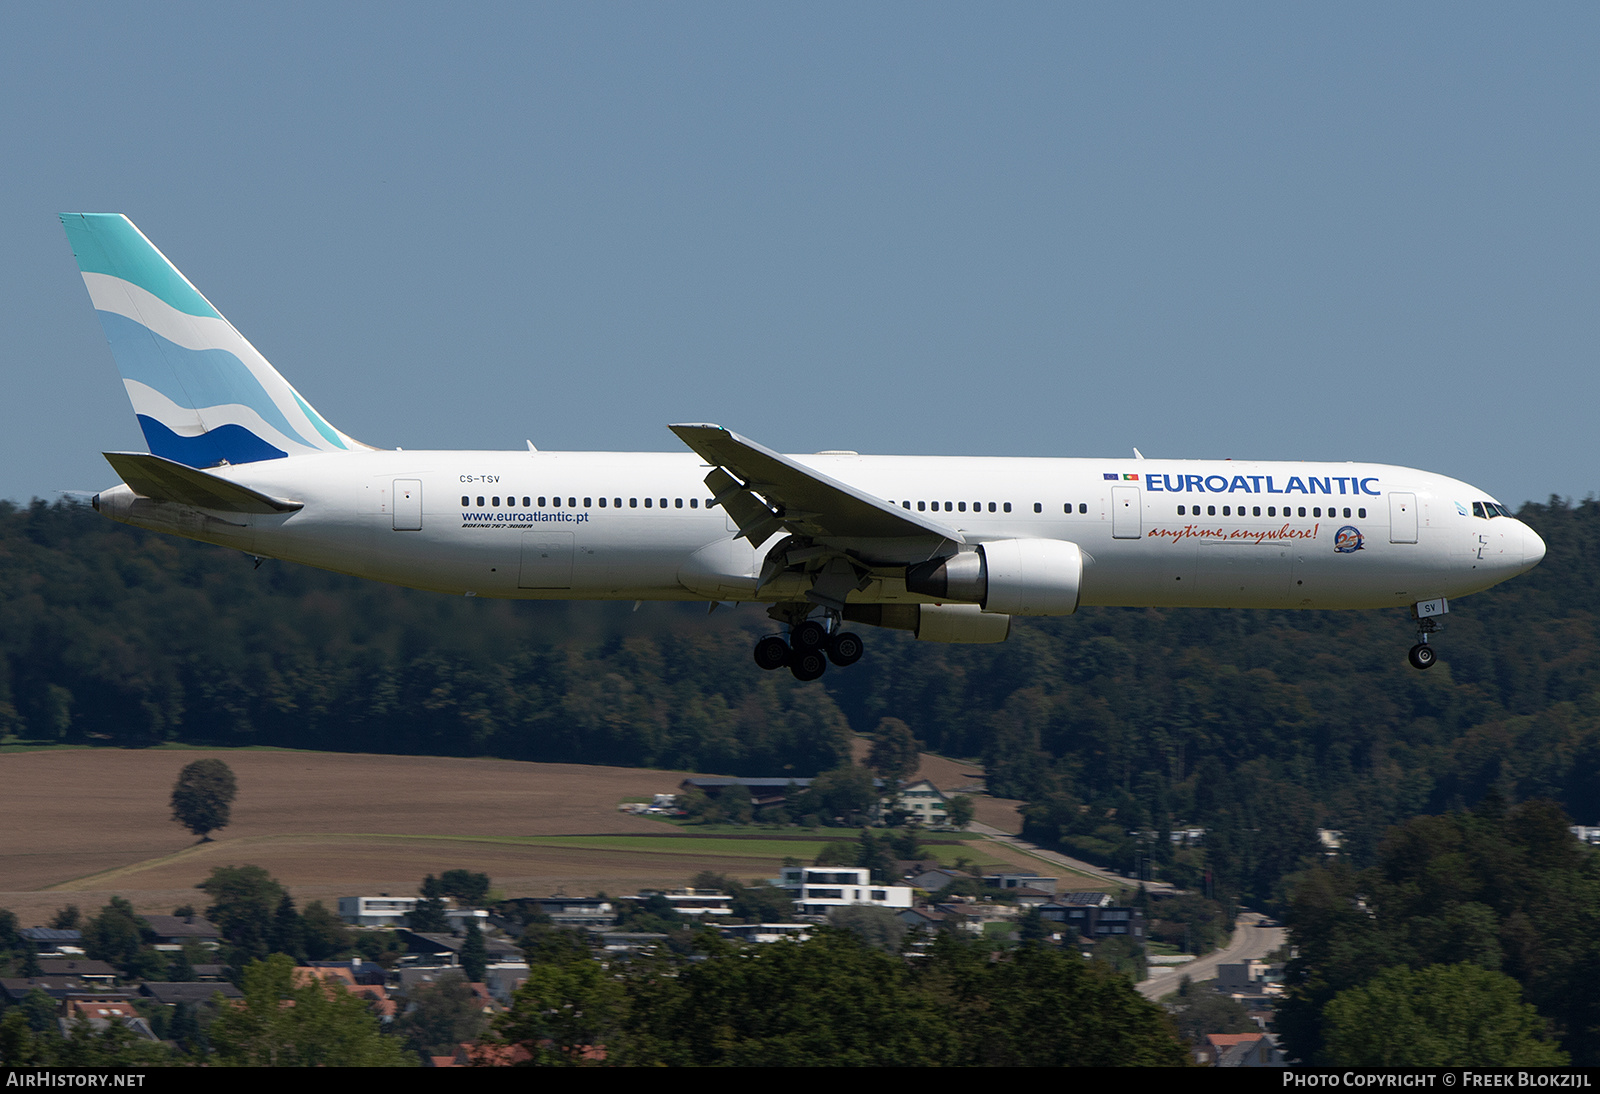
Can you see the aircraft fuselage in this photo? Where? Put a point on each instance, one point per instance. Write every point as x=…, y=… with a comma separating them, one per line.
x=612, y=525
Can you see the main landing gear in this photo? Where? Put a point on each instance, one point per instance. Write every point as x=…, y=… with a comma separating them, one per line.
x=812, y=643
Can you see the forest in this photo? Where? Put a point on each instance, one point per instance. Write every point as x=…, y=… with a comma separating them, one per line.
x=1116, y=726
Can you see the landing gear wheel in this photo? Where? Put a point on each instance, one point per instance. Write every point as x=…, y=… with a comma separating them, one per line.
x=772, y=652
x=808, y=664
x=845, y=648
x=1422, y=656
x=809, y=635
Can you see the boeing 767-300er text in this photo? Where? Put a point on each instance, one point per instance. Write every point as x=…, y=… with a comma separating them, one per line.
x=950, y=549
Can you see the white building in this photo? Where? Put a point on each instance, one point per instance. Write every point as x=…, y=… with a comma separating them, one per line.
x=696, y=902
x=924, y=801
x=819, y=889
x=376, y=911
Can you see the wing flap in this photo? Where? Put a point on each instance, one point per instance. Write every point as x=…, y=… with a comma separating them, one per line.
x=796, y=497
x=166, y=480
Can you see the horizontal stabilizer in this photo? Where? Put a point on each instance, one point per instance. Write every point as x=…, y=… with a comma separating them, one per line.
x=165, y=480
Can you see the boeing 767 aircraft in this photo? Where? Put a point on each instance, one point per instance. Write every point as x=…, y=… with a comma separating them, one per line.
x=950, y=549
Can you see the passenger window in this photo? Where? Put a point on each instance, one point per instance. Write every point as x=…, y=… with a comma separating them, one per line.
x=465, y=500
x=1007, y=507
x=1302, y=510
x=1272, y=511
x=1256, y=512
x=961, y=506
x=1362, y=513
x=677, y=503
x=991, y=507
x=1225, y=511
x=1037, y=507
x=1211, y=510
x=948, y=507
x=1181, y=513
x=647, y=502
x=525, y=503
x=663, y=503
x=905, y=505
x=541, y=503
x=694, y=503
x=480, y=500
x=1317, y=512
x=921, y=506
x=1083, y=507
x=633, y=503
x=588, y=503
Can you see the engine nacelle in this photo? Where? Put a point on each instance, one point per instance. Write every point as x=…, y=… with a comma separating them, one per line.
x=1033, y=576
x=1008, y=576
x=960, y=623
x=934, y=622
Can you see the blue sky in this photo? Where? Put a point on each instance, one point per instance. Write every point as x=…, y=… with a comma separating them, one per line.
x=1259, y=231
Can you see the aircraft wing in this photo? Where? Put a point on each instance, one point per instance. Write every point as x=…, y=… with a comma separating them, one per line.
x=166, y=480
x=795, y=496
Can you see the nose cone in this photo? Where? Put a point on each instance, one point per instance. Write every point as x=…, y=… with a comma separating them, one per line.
x=1532, y=548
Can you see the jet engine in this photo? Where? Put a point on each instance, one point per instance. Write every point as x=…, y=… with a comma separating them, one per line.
x=966, y=623
x=1009, y=576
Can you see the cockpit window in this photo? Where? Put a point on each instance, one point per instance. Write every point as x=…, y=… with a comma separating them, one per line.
x=1489, y=509
x=1477, y=509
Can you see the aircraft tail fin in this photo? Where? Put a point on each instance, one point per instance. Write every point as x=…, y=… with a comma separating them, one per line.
x=204, y=395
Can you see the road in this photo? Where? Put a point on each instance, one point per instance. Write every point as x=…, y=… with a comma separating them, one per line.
x=1076, y=865
x=1251, y=940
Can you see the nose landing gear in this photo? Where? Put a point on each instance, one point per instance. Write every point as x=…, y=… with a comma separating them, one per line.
x=1422, y=656
x=1429, y=615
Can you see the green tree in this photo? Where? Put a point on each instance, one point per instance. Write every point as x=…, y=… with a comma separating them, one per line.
x=316, y=1024
x=428, y=916
x=1199, y=1009
x=830, y=1001
x=1437, y=1016
x=895, y=755
x=877, y=927
x=441, y=1015
x=1505, y=889
x=244, y=901
x=121, y=937
x=202, y=799
x=474, y=953
x=468, y=888
x=845, y=795
x=960, y=811
x=1039, y=1006
x=286, y=935
x=564, y=1009
x=324, y=933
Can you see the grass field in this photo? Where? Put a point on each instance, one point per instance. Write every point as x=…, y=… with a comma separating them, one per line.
x=78, y=825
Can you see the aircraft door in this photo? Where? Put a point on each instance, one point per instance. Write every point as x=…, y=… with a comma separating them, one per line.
x=1402, y=518
x=408, y=505
x=1126, y=519
x=546, y=561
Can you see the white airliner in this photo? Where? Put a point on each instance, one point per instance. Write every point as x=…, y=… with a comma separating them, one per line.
x=950, y=549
